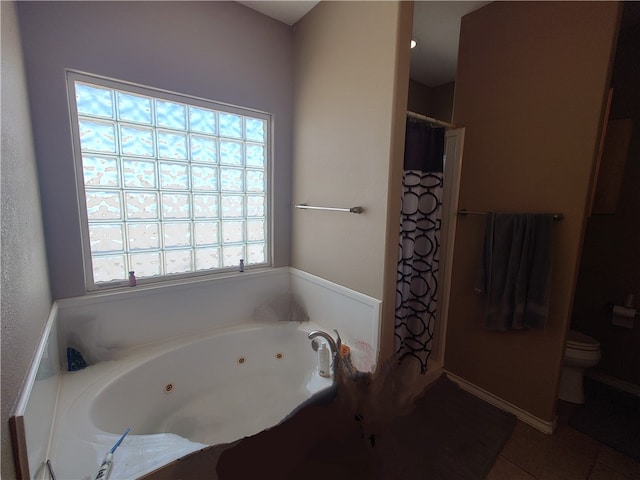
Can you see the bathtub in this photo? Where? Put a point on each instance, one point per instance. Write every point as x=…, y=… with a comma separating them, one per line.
x=180, y=397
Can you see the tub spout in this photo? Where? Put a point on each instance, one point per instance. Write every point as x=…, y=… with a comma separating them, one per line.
x=332, y=344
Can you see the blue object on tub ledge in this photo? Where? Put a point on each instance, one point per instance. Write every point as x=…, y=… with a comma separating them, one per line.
x=75, y=361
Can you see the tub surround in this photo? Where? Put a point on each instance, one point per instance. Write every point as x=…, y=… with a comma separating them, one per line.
x=114, y=330
x=33, y=416
x=103, y=325
x=354, y=315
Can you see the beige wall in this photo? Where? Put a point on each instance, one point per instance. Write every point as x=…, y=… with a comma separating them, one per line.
x=419, y=98
x=530, y=89
x=346, y=94
x=442, y=101
x=26, y=300
x=436, y=102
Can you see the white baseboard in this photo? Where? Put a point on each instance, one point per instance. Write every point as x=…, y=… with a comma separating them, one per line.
x=543, y=425
x=613, y=382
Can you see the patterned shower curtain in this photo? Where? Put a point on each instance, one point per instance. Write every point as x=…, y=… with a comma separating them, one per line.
x=418, y=259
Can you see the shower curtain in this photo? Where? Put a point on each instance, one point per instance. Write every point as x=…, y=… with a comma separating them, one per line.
x=418, y=259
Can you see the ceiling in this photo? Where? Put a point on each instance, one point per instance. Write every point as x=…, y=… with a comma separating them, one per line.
x=288, y=12
x=436, y=28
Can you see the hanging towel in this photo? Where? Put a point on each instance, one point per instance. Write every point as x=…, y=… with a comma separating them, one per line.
x=515, y=270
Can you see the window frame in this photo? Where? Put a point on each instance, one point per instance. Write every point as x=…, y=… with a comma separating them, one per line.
x=73, y=76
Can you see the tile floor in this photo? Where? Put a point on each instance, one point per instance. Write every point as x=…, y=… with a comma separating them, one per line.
x=528, y=455
x=566, y=455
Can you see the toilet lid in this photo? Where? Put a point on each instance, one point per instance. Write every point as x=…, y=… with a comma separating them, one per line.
x=581, y=341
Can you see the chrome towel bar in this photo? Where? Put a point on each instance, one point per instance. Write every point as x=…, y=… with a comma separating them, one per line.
x=556, y=216
x=304, y=206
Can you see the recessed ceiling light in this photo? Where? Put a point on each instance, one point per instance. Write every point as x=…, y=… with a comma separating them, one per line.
x=413, y=43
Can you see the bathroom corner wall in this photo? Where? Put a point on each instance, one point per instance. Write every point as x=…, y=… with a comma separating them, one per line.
x=221, y=51
x=26, y=299
x=344, y=107
x=531, y=83
x=350, y=104
x=436, y=102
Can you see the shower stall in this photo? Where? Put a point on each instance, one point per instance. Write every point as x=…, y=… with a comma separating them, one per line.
x=432, y=160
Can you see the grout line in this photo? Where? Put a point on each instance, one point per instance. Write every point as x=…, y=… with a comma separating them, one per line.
x=520, y=467
x=593, y=462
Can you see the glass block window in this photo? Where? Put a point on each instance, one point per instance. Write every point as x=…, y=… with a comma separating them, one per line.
x=170, y=185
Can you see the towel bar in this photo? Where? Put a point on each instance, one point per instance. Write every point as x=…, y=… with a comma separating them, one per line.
x=463, y=212
x=304, y=206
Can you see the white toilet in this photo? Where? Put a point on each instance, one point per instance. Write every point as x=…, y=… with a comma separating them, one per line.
x=581, y=352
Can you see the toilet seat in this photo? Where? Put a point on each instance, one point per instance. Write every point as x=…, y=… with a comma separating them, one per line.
x=580, y=341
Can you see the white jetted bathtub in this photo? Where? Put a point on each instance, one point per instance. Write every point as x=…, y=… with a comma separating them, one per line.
x=180, y=397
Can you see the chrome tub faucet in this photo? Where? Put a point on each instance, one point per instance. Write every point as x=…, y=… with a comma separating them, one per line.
x=333, y=346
